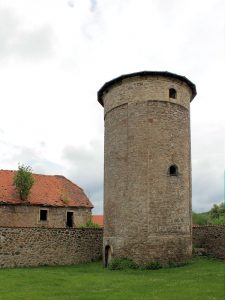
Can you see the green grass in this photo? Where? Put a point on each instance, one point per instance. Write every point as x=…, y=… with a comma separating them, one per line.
x=202, y=279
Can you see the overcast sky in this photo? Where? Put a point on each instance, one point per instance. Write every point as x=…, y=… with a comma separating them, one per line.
x=56, y=54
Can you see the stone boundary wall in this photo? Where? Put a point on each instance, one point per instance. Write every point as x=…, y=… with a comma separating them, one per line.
x=211, y=238
x=23, y=247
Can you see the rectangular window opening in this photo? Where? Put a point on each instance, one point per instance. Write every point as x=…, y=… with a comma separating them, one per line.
x=43, y=214
x=69, y=219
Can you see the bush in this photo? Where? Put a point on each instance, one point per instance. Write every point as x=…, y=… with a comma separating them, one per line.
x=122, y=264
x=215, y=216
x=200, y=218
x=23, y=181
x=172, y=264
x=154, y=265
x=218, y=221
x=89, y=224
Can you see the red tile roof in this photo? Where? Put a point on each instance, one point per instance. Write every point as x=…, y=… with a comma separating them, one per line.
x=98, y=219
x=47, y=190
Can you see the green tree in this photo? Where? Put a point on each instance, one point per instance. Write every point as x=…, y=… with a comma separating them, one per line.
x=200, y=218
x=222, y=208
x=217, y=211
x=23, y=181
x=217, y=214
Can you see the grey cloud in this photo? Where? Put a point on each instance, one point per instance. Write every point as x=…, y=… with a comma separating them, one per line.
x=33, y=44
x=207, y=186
x=85, y=167
x=70, y=3
x=207, y=166
x=29, y=156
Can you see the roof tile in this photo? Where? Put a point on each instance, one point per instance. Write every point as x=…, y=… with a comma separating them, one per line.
x=98, y=219
x=47, y=190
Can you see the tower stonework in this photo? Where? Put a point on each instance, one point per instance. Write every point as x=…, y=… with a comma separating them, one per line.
x=147, y=167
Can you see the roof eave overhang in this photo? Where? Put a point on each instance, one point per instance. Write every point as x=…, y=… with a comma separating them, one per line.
x=116, y=80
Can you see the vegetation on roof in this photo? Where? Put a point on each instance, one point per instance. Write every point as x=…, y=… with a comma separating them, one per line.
x=23, y=181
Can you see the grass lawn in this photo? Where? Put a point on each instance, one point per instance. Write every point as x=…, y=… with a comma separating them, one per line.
x=203, y=279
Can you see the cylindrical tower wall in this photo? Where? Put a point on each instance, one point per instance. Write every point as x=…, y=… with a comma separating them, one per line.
x=147, y=207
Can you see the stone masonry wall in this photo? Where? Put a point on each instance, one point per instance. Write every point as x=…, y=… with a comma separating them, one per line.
x=21, y=247
x=211, y=238
x=29, y=216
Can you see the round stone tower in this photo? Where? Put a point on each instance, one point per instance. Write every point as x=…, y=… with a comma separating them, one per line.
x=147, y=168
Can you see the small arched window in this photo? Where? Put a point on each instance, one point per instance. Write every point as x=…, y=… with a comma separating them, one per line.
x=172, y=93
x=173, y=170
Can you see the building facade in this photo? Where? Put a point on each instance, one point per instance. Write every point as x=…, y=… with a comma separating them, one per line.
x=54, y=202
x=147, y=167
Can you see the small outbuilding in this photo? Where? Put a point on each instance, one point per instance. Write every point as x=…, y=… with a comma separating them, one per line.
x=54, y=202
x=98, y=219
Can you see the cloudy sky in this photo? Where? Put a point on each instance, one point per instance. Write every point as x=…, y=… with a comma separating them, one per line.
x=56, y=54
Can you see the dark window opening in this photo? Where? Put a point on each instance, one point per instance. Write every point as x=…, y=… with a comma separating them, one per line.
x=172, y=93
x=173, y=170
x=43, y=215
x=69, y=219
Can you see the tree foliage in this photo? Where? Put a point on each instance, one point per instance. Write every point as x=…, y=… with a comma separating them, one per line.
x=23, y=181
x=216, y=215
x=200, y=218
x=217, y=211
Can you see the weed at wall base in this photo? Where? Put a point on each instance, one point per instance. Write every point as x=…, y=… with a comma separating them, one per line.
x=122, y=264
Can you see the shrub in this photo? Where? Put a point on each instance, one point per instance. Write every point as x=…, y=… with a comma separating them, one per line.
x=64, y=198
x=23, y=181
x=172, y=264
x=154, y=265
x=200, y=218
x=89, y=224
x=218, y=221
x=215, y=216
x=122, y=263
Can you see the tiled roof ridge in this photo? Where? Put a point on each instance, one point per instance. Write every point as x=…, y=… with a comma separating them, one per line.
x=65, y=178
x=53, y=190
x=47, y=175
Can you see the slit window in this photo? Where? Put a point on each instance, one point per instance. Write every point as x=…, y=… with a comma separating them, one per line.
x=173, y=170
x=69, y=219
x=43, y=214
x=172, y=93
